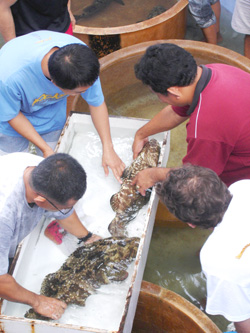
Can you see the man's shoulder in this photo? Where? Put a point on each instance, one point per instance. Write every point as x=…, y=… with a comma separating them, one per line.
x=51, y=37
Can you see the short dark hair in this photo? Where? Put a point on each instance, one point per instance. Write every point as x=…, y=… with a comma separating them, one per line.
x=73, y=65
x=166, y=65
x=195, y=195
x=59, y=177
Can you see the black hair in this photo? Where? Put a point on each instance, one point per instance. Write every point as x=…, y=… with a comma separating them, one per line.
x=166, y=65
x=73, y=65
x=195, y=195
x=59, y=177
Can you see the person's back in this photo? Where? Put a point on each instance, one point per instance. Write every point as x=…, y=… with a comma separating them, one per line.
x=220, y=125
x=28, y=49
x=33, y=15
x=225, y=258
x=25, y=87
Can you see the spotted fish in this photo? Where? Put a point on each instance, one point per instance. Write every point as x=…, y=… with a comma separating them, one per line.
x=128, y=201
x=87, y=268
x=96, y=7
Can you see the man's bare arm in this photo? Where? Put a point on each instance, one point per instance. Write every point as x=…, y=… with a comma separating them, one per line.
x=46, y=306
x=7, y=26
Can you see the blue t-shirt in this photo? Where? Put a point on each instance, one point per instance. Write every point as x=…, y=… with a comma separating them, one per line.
x=24, y=87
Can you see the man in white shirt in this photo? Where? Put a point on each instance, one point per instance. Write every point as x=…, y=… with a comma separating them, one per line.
x=197, y=196
x=31, y=187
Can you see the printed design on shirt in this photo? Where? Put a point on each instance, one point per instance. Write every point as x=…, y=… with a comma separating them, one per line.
x=44, y=99
x=43, y=40
x=242, y=251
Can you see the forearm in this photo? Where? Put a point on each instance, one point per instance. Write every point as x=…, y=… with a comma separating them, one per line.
x=72, y=18
x=110, y=159
x=22, y=125
x=165, y=120
x=100, y=120
x=74, y=226
x=160, y=174
x=7, y=26
x=12, y=291
x=46, y=306
x=243, y=326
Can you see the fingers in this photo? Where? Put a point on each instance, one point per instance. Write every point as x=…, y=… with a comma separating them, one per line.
x=50, y=307
x=117, y=170
x=117, y=174
x=137, y=146
x=106, y=169
x=139, y=185
x=57, y=313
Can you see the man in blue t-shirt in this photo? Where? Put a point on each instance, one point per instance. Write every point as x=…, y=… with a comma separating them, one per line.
x=38, y=72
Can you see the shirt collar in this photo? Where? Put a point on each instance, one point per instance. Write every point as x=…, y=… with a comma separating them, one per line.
x=201, y=85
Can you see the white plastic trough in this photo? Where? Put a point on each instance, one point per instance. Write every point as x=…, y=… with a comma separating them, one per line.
x=113, y=307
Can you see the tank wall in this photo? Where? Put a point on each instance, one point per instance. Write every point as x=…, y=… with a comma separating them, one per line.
x=171, y=24
x=162, y=310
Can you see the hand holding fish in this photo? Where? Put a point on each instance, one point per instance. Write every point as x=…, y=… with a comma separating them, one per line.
x=144, y=180
x=92, y=239
x=49, y=307
x=138, y=144
x=148, y=178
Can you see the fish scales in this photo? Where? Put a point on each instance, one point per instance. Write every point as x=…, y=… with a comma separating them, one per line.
x=128, y=201
x=87, y=268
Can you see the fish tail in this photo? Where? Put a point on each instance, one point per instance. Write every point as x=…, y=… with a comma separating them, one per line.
x=117, y=228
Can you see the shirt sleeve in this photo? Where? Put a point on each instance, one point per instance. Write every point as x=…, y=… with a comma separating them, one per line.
x=227, y=299
x=10, y=103
x=94, y=95
x=181, y=111
x=58, y=215
x=208, y=153
x=6, y=234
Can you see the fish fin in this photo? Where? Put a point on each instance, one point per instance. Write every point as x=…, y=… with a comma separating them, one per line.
x=116, y=228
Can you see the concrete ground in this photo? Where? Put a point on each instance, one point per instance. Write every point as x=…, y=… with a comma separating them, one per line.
x=231, y=39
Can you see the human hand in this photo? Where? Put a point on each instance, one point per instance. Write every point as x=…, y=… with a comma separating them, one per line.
x=144, y=180
x=138, y=145
x=148, y=178
x=49, y=307
x=93, y=238
x=112, y=160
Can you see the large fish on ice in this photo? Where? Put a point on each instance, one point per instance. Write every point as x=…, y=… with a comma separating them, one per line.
x=128, y=201
x=87, y=268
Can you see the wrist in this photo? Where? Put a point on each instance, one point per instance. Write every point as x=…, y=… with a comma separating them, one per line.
x=85, y=238
x=34, y=300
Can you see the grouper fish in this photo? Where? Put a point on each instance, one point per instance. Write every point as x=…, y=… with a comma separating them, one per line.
x=86, y=269
x=96, y=7
x=128, y=201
